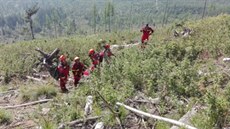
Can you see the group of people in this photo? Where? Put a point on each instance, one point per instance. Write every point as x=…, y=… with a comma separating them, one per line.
x=78, y=68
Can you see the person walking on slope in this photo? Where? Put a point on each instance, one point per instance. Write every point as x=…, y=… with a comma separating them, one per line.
x=107, y=53
x=63, y=71
x=77, y=69
x=95, y=58
x=147, y=31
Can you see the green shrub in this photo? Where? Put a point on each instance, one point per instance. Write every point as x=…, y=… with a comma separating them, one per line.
x=5, y=117
x=47, y=123
x=36, y=91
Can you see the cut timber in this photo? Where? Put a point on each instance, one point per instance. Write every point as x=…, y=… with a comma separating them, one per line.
x=178, y=123
x=186, y=118
x=27, y=104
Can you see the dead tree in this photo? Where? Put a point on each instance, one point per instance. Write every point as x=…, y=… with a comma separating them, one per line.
x=48, y=57
x=48, y=60
x=29, y=13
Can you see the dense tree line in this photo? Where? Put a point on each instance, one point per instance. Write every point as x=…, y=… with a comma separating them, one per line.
x=57, y=18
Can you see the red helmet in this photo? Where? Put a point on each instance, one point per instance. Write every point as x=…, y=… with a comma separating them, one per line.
x=107, y=46
x=62, y=58
x=91, y=51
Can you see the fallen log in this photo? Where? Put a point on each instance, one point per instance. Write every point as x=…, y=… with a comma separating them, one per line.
x=156, y=117
x=186, y=118
x=27, y=104
x=35, y=79
x=123, y=46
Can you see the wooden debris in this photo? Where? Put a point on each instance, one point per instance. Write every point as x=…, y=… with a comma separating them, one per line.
x=75, y=122
x=99, y=125
x=36, y=79
x=123, y=46
x=8, y=92
x=150, y=100
x=186, y=118
x=26, y=104
x=178, y=123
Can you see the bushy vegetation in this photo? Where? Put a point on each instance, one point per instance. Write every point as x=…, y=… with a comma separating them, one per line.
x=62, y=18
x=168, y=68
x=21, y=61
x=5, y=117
x=36, y=92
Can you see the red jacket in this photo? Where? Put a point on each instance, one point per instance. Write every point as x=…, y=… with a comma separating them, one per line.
x=78, y=68
x=146, y=32
x=95, y=58
x=108, y=52
x=63, y=71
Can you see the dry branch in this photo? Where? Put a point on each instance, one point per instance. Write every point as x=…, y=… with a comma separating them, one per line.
x=27, y=104
x=73, y=123
x=35, y=79
x=7, y=92
x=114, y=112
x=152, y=101
x=186, y=117
x=156, y=117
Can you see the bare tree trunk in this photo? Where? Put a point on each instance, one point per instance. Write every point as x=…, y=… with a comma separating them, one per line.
x=55, y=30
x=157, y=5
x=205, y=4
x=130, y=16
x=166, y=10
x=109, y=23
x=31, y=29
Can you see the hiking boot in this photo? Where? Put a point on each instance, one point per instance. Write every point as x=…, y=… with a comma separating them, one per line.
x=65, y=90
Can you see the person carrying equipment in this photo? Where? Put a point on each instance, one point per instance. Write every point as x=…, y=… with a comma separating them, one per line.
x=147, y=31
x=63, y=70
x=77, y=69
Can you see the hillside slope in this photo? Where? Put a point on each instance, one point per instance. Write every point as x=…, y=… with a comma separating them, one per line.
x=182, y=72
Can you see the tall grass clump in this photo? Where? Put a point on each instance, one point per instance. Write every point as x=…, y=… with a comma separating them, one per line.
x=36, y=92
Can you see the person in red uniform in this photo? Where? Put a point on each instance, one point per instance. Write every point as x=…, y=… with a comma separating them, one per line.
x=63, y=72
x=107, y=53
x=147, y=31
x=95, y=58
x=77, y=69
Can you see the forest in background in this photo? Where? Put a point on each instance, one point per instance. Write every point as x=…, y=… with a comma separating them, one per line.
x=62, y=18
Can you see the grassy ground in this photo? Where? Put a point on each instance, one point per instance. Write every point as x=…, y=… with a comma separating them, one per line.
x=182, y=72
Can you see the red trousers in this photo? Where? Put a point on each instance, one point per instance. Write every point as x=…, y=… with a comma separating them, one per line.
x=62, y=84
x=77, y=78
x=144, y=37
